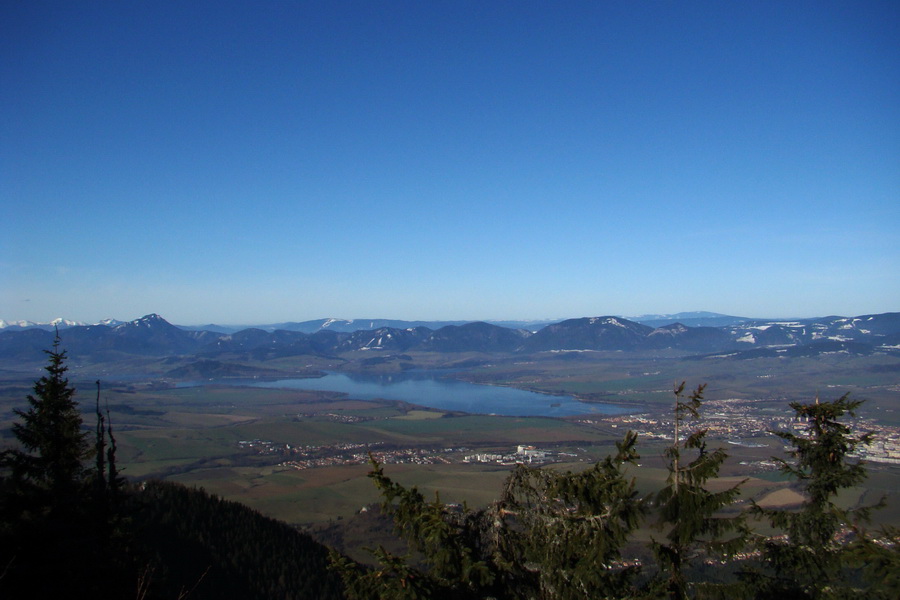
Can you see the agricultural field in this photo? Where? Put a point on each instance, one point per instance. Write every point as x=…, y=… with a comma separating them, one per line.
x=301, y=456
x=618, y=377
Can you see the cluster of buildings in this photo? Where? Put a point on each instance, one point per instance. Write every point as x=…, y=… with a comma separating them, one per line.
x=413, y=456
x=333, y=417
x=884, y=449
x=735, y=421
x=523, y=455
x=264, y=447
x=731, y=419
x=309, y=456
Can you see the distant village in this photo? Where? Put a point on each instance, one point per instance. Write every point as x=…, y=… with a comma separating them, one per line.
x=310, y=456
x=732, y=421
x=739, y=423
x=522, y=455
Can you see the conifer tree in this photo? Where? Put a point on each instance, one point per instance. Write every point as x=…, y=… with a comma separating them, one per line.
x=46, y=512
x=456, y=563
x=810, y=560
x=566, y=531
x=53, y=445
x=60, y=519
x=100, y=449
x=550, y=536
x=689, y=513
x=879, y=559
x=107, y=481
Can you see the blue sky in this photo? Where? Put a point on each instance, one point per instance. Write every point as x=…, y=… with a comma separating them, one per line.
x=255, y=162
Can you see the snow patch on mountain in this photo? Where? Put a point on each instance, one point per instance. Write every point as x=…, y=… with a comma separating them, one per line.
x=59, y=323
x=22, y=324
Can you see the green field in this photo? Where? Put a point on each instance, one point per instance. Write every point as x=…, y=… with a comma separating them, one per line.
x=317, y=495
x=193, y=434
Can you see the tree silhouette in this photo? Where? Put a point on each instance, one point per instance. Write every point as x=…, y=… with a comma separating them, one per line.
x=565, y=531
x=689, y=513
x=54, y=448
x=551, y=535
x=810, y=560
x=60, y=519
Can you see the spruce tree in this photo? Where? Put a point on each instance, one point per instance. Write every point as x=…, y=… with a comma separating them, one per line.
x=550, y=536
x=61, y=523
x=565, y=531
x=809, y=560
x=879, y=559
x=53, y=446
x=690, y=514
x=455, y=564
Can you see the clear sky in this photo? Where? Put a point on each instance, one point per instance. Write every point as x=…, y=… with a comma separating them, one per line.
x=258, y=161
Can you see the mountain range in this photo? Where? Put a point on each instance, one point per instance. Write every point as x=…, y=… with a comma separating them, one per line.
x=153, y=336
x=693, y=319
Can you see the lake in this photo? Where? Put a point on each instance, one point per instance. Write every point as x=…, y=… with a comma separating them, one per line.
x=435, y=390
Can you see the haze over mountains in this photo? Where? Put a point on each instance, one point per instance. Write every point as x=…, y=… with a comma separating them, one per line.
x=692, y=319
x=153, y=336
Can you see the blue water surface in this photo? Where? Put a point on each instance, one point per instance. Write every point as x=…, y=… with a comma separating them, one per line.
x=435, y=390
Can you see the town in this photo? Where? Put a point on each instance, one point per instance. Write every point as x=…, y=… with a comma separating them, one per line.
x=736, y=422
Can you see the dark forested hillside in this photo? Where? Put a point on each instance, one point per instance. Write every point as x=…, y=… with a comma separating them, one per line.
x=71, y=526
x=170, y=542
x=221, y=549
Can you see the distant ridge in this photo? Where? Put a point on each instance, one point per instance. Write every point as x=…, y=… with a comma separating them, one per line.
x=691, y=319
x=352, y=325
x=589, y=333
x=153, y=336
x=59, y=323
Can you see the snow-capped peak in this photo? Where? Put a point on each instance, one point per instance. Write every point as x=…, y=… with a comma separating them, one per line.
x=148, y=319
x=145, y=321
x=59, y=321
x=23, y=324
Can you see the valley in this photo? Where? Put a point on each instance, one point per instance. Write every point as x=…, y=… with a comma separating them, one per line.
x=230, y=424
